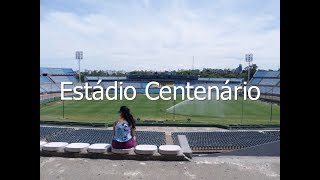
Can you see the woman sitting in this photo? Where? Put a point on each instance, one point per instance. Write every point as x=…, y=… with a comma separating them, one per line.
x=123, y=130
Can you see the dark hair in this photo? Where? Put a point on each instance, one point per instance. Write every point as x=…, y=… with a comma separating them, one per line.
x=125, y=113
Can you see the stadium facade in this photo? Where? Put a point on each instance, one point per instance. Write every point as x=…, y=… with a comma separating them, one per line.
x=50, y=79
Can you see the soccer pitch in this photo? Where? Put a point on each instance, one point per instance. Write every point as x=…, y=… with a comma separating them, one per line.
x=196, y=112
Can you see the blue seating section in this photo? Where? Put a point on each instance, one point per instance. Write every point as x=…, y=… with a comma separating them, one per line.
x=267, y=74
x=272, y=133
x=68, y=71
x=45, y=79
x=58, y=79
x=225, y=140
x=50, y=87
x=269, y=90
x=267, y=81
x=56, y=71
x=260, y=74
x=91, y=136
x=42, y=90
x=72, y=79
x=271, y=82
x=272, y=74
x=255, y=81
x=54, y=76
x=46, y=132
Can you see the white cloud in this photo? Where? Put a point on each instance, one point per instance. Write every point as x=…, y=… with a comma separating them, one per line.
x=142, y=38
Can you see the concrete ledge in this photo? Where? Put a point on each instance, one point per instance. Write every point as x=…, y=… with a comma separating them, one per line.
x=41, y=144
x=76, y=147
x=185, y=148
x=145, y=149
x=122, y=151
x=112, y=156
x=170, y=149
x=54, y=146
x=99, y=148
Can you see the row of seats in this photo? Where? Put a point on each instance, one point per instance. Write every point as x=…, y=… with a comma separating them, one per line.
x=227, y=139
x=144, y=149
x=265, y=81
x=55, y=87
x=267, y=74
x=268, y=90
x=141, y=86
x=92, y=136
x=272, y=133
x=45, y=79
x=58, y=79
x=66, y=71
x=50, y=87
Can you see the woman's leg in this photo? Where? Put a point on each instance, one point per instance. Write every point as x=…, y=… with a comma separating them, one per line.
x=130, y=144
x=117, y=145
x=123, y=145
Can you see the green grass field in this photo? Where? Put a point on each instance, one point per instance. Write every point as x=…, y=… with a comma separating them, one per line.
x=199, y=112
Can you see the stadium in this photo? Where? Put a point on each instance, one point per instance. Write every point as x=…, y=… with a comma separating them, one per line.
x=198, y=105
x=231, y=125
x=264, y=112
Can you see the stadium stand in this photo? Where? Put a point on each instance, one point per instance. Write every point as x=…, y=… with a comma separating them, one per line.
x=71, y=135
x=42, y=90
x=50, y=87
x=272, y=133
x=135, y=85
x=271, y=82
x=140, y=81
x=156, y=77
x=58, y=79
x=50, y=79
x=255, y=81
x=268, y=83
x=72, y=79
x=45, y=79
x=56, y=71
x=225, y=140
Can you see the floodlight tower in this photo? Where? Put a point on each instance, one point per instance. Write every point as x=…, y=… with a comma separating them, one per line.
x=249, y=58
x=79, y=56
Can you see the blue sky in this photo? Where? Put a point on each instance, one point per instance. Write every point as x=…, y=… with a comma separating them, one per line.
x=159, y=34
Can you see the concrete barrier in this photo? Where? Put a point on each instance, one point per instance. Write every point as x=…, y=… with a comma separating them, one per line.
x=185, y=148
x=41, y=144
x=54, y=146
x=76, y=147
x=170, y=149
x=99, y=148
x=102, y=151
x=122, y=151
x=145, y=149
x=112, y=156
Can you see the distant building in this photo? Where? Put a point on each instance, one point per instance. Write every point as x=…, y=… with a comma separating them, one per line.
x=238, y=69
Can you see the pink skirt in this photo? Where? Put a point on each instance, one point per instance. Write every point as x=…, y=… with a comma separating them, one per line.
x=123, y=145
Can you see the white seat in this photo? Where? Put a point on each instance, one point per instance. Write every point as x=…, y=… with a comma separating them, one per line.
x=54, y=146
x=76, y=147
x=99, y=148
x=146, y=149
x=170, y=149
x=42, y=143
x=122, y=151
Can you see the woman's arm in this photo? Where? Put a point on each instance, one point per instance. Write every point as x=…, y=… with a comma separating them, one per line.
x=114, y=128
x=133, y=134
